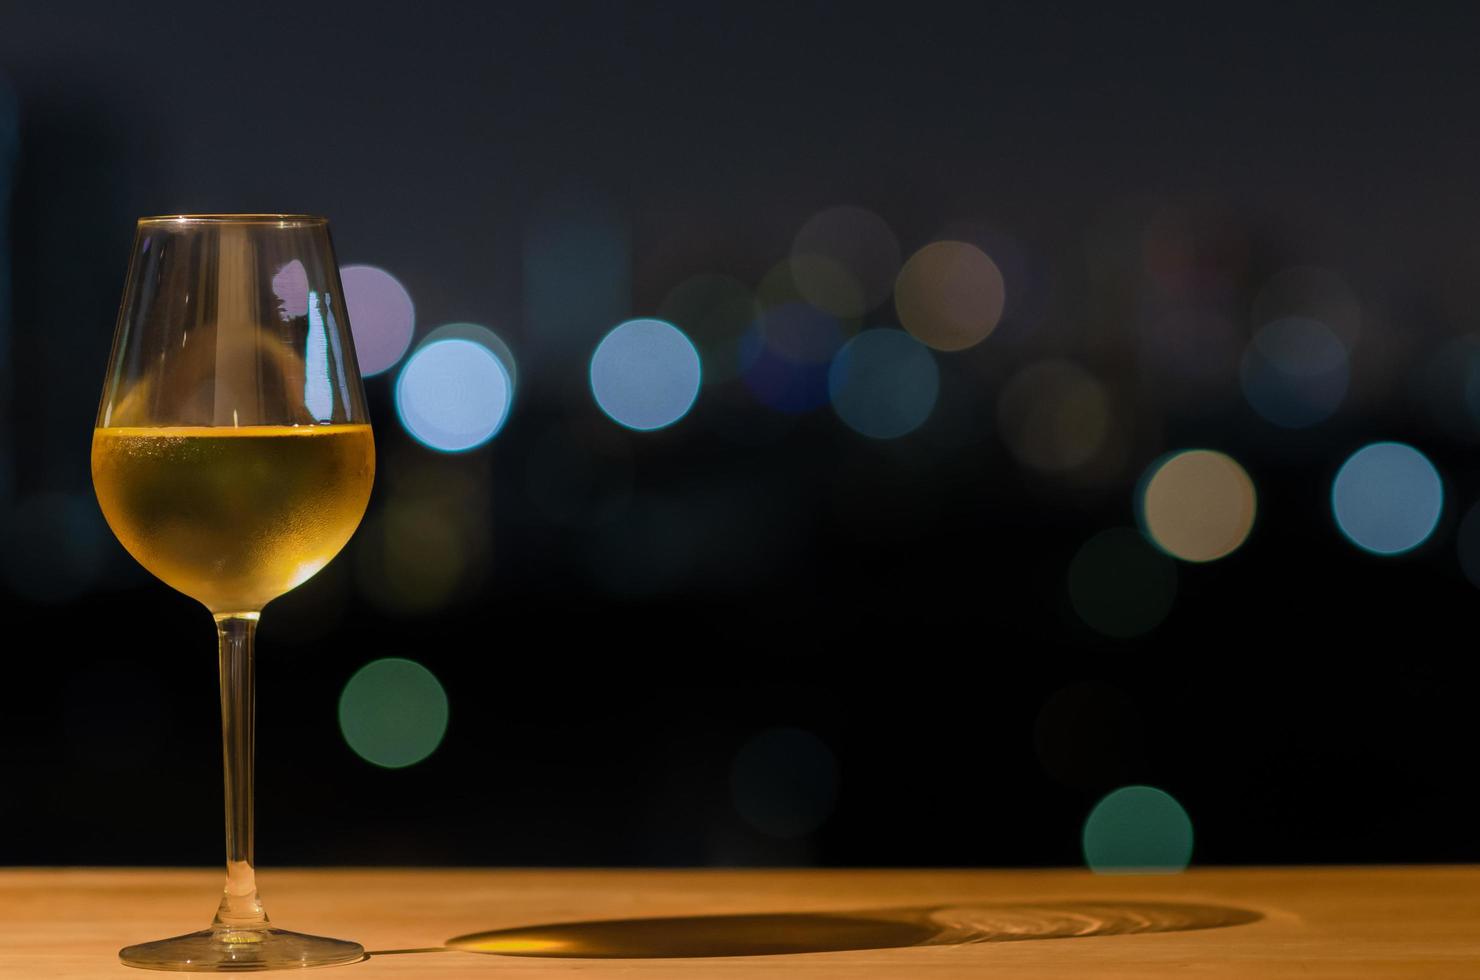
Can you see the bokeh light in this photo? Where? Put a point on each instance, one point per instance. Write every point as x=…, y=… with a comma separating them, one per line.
x=381, y=316
x=1026, y=304
x=645, y=374
x=883, y=383
x=393, y=713
x=798, y=333
x=479, y=334
x=1120, y=585
x=715, y=311
x=785, y=357
x=950, y=295
x=1387, y=498
x=786, y=386
x=453, y=395
x=412, y=556
x=1054, y=416
x=429, y=541
x=1138, y=830
x=1295, y=372
x=784, y=782
x=1197, y=505
x=844, y=260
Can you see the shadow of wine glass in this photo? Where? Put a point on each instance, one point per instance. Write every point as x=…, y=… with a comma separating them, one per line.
x=765, y=934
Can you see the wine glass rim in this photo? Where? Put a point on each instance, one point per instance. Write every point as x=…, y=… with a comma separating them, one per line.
x=242, y=219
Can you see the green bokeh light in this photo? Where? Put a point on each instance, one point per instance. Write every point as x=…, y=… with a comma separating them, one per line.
x=1138, y=830
x=1120, y=585
x=393, y=713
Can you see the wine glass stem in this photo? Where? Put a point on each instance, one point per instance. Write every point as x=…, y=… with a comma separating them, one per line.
x=240, y=907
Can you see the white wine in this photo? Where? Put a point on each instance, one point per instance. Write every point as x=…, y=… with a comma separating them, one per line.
x=234, y=517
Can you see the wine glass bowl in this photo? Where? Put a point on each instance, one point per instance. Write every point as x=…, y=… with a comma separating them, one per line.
x=233, y=458
x=234, y=517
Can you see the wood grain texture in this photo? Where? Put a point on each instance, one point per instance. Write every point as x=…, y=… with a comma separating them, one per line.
x=1327, y=923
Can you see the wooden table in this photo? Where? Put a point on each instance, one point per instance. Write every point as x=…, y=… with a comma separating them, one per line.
x=1374, y=922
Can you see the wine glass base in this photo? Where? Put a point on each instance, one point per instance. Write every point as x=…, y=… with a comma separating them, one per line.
x=212, y=950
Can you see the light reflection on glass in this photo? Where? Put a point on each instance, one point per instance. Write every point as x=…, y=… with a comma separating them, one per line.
x=290, y=286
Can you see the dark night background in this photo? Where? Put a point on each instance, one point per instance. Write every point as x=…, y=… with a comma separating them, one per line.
x=607, y=655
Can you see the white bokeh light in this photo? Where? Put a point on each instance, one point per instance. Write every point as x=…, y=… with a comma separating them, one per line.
x=453, y=395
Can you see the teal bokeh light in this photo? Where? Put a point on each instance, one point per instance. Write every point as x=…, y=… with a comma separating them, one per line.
x=883, y=383
x=1138, y=830
x=393, y=713
x=453, y=395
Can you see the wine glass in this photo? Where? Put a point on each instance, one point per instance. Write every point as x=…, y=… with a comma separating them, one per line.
x=233, y=458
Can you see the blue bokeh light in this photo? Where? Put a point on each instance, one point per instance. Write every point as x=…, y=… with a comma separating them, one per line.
x=777, y=382
x=1296, y=372
x=479, y=334
x=453, y=395
x=645, y=374
x=1387, y=498
x=800, y=333
x=883, y=383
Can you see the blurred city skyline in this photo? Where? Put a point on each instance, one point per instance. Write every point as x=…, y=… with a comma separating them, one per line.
x=1245, y=231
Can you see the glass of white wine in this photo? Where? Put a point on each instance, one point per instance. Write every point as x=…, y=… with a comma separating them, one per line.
x=233, y=458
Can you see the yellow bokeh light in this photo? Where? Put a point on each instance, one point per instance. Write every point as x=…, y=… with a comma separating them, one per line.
x=949, y=295
x=1198, y=505
x=1054, y=416
x=828, y=285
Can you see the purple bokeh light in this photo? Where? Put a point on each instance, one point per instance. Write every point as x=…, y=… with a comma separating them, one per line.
x=381, y=315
